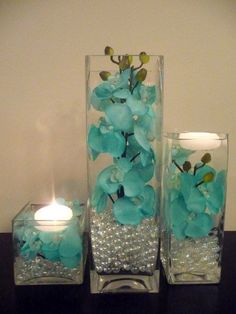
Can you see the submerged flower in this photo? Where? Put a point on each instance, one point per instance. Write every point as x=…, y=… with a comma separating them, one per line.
x=111, y=142
x=196, y=201
x=120, y=117
x=132, y=210
x=187, y=223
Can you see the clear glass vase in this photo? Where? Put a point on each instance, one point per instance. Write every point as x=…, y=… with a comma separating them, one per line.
x=193, y=206
x=124, y=124
x=50, y=251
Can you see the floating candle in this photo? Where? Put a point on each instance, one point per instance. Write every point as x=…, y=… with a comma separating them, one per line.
x=52, y=218
x=199, y=140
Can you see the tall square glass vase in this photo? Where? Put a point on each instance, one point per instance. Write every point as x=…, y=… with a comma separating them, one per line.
x=124, y=123
x=193, y=206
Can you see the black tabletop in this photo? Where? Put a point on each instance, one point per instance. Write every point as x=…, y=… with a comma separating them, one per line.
x=77, y=299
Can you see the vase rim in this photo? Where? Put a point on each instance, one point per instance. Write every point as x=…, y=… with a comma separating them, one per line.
x=116, y=55
x=193, y=135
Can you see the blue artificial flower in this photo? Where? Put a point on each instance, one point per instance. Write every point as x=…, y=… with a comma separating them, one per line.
x=194, y=199
x=134, y=148
x=104, y=91
x=147, y=205
x=120, y=117
x=109, y=179
x=125, y=211
x=186, y=223
x=98, y=103
x=132, y=210
x=148, y=94
x=111, y=142
x=136, y=106
x=133, y=183
x=70, y=247
x=192, y=205
x=214, y=192
x=140, y=136
x=99, y=199
x=180, y=155
x=147, y=123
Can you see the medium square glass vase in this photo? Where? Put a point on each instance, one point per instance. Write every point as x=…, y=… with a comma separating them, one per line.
x=49, y=251
x=193, y=206
x=124, y=125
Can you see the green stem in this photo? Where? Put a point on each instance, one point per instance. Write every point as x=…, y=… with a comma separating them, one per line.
x=135, y=156
x=113, y=60
x=136, y=84
x=196, y=168
x=201, y=182
x=175, y=163
x=139, y=67
x=111, y=198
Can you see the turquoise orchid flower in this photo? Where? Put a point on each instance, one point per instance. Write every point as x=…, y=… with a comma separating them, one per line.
x=180, y=155
x=130, y=210
x=195, y=202
x=120, y=117
x=122, y=174
x=111, y=142
x=115, y=88
x=214, y=192
x=124, y=132
x=189, y=224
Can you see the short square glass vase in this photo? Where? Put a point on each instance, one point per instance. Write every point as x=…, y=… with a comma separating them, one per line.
x=193, y=206
x=50, y=244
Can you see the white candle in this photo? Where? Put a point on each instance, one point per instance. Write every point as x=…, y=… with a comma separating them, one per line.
x=52, y=218
x=199, y=140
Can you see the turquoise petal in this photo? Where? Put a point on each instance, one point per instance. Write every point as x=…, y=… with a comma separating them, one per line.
x=216, y=193
x=71, y=244
x=124, y=79
x=99, y=199
x=104, y=180
x=124, y=164
x=77, y=208
x=146, y=173
x=196, y=202
x=202, y=171
x=99, y=104
x=136, y=106
x=104, y=91
x=187, y=183
x=140, y=136
x=71, y=262
x=120, y=116
x=47, y=237
x=146, y=157
x=173, y=193
x=121, y=93
x=133, y=183
x=93, y=153
x=200, y=226
x=148, y=94
x=178, y=211
x=133, y=147
x=148, y=205
x=95, y=139
x=126, y=212
x=113, y=143
x=194, y=199
x=102, y=203
x=180, y=155
x=179, y=231
x=148, y=123
x=50, y=252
